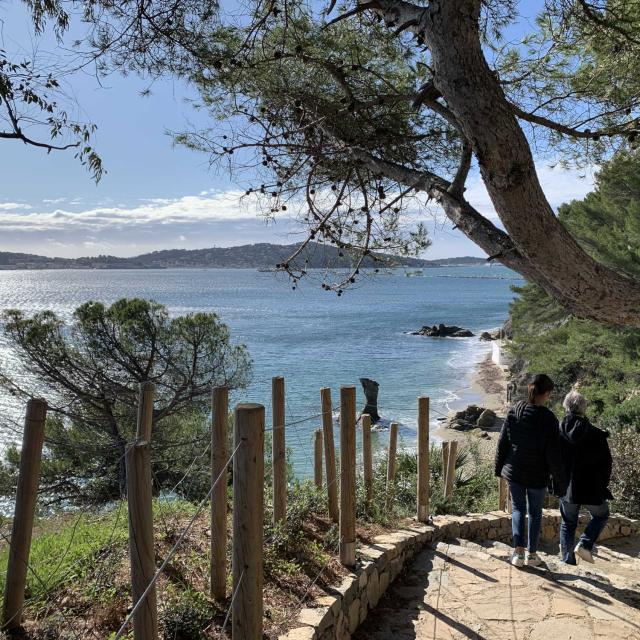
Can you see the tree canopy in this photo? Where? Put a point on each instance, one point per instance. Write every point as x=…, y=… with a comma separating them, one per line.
x=354, y=112
x=90, y=370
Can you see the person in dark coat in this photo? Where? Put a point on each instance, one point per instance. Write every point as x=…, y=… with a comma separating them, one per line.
x=587, y=461
x=528, y=453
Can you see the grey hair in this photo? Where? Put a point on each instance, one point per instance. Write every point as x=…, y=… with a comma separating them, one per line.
x=575, y=402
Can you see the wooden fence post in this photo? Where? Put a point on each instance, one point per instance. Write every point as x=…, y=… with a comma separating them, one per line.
x=391, y=461
x=317, y=449
x=451, y=470
x=24, y=514
x=348, y=475
x=423, y=459
x=219, y=455
x=444, y=449
x=367, y=457
x=248, y=516
x=278, y=447
x=329, y=453
x=139, y=500
x=502, y=494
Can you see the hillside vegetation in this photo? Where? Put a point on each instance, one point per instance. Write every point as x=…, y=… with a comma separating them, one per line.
x=250, y=256
x=602, y=361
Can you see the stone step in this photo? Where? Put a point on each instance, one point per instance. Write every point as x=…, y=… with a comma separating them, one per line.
x=462, y=589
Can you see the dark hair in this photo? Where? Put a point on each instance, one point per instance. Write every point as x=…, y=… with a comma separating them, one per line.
x=540, y=385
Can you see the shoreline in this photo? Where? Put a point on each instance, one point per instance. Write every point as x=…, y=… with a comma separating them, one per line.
x=488, y=389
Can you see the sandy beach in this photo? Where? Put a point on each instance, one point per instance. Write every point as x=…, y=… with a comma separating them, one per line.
x=489, y=388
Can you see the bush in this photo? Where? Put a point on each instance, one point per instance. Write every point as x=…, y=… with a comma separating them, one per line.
x=625, y=481
x=186, y=615
x=475, y=487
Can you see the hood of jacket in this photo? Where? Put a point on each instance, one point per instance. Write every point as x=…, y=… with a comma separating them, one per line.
x=575, y=428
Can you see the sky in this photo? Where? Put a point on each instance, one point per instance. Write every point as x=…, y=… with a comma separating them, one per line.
x=156, y=195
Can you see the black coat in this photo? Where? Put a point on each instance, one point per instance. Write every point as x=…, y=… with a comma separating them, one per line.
x=586, y=459
x=529, y=448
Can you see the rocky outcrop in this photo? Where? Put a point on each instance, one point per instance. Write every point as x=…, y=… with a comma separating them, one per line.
x=443, y=331
x=370, y=388
x=473, y=417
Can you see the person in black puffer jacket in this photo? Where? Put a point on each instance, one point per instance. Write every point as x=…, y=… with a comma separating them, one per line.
x=528, y=453
x=587, y=461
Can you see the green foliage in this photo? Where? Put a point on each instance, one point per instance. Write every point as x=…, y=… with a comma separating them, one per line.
x=625, y=482
x=607, y=221
x=186, y=615
x=475, y=488
x=71, y=546
x=90, y=369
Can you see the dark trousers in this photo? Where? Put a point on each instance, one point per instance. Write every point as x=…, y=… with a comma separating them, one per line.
x=525, y=500
x=570, y=516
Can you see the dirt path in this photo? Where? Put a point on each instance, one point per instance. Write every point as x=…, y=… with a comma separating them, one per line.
x=468, y=590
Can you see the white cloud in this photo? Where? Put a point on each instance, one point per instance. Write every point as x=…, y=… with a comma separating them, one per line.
x=14, y=206
x=226, y=205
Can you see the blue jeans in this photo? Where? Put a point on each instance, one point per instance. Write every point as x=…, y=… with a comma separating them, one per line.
x=570, y=516
x=526, y=500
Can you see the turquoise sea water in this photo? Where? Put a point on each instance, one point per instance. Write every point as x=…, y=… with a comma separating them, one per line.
x=311, y=337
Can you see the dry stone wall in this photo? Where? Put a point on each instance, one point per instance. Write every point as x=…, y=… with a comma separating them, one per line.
x=338, y=614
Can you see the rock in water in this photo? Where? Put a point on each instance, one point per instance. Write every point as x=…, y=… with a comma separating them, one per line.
x=370, y=388
x=443, y=331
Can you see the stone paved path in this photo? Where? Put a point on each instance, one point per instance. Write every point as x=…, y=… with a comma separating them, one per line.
x=469, y=590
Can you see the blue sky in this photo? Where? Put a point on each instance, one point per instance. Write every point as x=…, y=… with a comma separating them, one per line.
x=154, y=195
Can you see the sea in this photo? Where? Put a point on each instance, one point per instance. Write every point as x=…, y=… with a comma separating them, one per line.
x=310, y=336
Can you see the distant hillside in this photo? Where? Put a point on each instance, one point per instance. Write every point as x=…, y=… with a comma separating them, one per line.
x=252, y=256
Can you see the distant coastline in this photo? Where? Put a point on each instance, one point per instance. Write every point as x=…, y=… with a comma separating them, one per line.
x=255, y=256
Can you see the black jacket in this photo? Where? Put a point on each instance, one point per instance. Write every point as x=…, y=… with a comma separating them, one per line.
x=586, y=459
x=529, y=448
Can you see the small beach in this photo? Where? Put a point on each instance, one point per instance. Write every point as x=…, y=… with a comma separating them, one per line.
x=488, y=389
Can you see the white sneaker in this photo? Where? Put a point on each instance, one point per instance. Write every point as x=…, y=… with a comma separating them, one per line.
x=517, y=559
x=583, y=553
x=533, y=559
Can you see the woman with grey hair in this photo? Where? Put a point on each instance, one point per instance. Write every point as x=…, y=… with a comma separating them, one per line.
x=587, y=462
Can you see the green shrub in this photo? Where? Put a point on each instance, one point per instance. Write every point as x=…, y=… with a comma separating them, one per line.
x=625, y=482
x=186, y=615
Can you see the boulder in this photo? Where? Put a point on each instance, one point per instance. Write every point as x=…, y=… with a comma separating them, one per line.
x=486, y=336
x=486, y=419
x=461, y=425
x=470, y=414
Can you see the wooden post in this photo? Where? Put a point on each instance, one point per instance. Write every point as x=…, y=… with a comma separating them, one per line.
x=219, y=455
x=329, y=453
x=248, y=516
x=278, y=447
x=423, y=459
x=445, y=465
x=317, y=470
x=367, y=457
x=451, y=470
x=503, y=489
x=348, y=476
x=139, y=499
x=24, y=514
x=391, y=461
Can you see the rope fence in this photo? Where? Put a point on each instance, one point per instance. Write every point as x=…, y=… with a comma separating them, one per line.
x=336, y=480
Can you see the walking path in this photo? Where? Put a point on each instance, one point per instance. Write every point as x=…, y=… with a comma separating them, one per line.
x=464, y=589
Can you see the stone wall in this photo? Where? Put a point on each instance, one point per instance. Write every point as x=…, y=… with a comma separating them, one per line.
x=339, y=613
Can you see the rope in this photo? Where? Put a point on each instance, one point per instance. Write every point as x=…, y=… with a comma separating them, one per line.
x=175, y=547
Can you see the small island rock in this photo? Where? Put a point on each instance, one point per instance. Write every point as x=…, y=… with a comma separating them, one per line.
x=443, y=331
